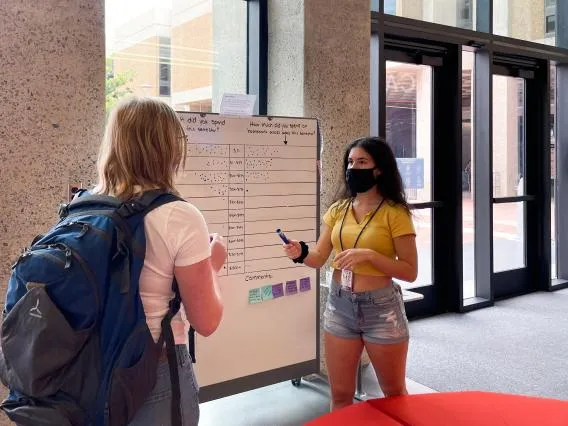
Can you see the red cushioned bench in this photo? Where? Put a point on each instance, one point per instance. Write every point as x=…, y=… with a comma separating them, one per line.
x=451, y=409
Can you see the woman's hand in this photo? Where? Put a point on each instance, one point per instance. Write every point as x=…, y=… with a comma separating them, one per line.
x=292, y=250
x=218, y=251
x=349, y=258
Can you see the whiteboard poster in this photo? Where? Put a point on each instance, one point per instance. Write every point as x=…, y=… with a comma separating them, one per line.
x=250, y=176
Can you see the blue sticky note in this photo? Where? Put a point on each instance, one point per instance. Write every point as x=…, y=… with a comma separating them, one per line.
x=305, y=284
x=291, y=287
x=278, y=290
x=255, y=296
x=267, y=292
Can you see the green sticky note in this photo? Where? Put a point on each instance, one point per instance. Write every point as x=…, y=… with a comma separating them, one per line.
x=267, y=292
x=255, y=296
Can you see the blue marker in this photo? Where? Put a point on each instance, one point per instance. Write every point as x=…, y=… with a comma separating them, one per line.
x=282, y=236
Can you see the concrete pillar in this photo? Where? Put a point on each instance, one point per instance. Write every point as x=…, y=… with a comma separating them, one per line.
x=51, y=113
x=286, y=70
x=319, y=67
x=230, y=47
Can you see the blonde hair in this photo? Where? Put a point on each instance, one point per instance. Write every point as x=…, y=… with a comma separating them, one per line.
x=143, y=148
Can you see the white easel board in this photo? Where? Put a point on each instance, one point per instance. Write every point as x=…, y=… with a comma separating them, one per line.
x=250, y=176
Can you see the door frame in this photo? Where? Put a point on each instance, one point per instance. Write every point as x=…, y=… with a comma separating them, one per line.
x=537, y=199
x=446, y=292
x=443, y=294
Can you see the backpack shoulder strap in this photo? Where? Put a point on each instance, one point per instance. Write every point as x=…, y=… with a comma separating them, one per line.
x=147, y=202
x=168, y=337
x=144, y=204
x=157, y=198
x=83, y=200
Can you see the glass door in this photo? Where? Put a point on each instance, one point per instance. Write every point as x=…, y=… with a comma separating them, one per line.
x=520, y=177
x=408, y=132
x=509, y=174
x=419, y=107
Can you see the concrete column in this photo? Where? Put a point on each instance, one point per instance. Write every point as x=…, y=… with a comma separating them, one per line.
x=319, y=67
x=51, y=113
x=230, y=47
x=286, y=70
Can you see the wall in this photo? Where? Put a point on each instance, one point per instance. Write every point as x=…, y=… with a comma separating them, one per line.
x=526, y=19
x=51, y=113
x=230, y=46
x=319, y=67
x=192, y=54
x=286, y=58
x=410, y=8
x=522, y=19
x=443, y=13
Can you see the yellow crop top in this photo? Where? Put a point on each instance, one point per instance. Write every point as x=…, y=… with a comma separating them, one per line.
x=390, y=221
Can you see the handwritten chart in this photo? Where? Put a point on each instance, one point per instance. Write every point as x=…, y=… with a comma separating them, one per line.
x=250, y=176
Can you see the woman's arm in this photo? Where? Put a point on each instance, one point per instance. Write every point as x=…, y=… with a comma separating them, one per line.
x=404, y=267
x=198, y=257
x=317, y=256
x=200, y=295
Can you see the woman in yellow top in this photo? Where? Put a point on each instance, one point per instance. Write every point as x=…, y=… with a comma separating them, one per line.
x=371, y=231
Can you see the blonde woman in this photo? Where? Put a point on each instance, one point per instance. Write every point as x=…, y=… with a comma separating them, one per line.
x=143, y=148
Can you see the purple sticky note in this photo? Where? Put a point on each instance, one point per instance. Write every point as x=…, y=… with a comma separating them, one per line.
x=291, y=287
x=278, y=290
x=305, y=284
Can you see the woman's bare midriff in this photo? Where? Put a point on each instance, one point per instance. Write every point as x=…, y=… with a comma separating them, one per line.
x=364, y=282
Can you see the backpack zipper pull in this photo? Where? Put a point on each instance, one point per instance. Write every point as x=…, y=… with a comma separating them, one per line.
x=84, y=230
x=68, y=256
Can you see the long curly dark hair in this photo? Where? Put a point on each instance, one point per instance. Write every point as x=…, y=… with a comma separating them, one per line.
x=389, y=182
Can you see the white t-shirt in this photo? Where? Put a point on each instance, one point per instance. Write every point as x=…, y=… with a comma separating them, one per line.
x=176, y=235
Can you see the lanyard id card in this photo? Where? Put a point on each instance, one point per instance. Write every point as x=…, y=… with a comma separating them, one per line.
x=346, y=274
x=347, y=278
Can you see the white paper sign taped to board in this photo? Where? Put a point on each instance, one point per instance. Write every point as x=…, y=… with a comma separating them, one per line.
x=237, y=104
x=250, y=176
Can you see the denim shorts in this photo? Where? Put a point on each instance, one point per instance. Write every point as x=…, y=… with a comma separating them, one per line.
x=157, y=409
x=376, y=316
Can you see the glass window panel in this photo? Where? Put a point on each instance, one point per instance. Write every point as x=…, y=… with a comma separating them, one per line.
x=455, y=13
x=409, y=124
x=422, y=219
x=508, y=236
x=468, y=224
x=390, y=7
x=531, y=20
x=508, y=136
x=187, y=52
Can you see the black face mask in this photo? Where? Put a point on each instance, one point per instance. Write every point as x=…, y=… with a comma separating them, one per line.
x=360, y=180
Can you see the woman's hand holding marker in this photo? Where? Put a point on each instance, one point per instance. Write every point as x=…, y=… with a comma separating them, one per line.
x=292, y=248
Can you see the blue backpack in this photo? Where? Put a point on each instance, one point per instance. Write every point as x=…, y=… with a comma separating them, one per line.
x=75, y=348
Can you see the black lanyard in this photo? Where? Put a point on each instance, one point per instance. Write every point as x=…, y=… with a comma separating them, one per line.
x=358, y=236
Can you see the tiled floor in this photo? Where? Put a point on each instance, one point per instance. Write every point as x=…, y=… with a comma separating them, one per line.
x=283, y=404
